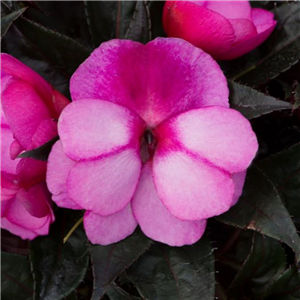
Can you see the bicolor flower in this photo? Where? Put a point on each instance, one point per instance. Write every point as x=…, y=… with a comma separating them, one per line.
x=224, y=29
x=149, y=139
x=29, y=111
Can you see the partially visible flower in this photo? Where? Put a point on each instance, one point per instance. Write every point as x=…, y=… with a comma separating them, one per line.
x=224, y=29
x=149, y=140
x=29, y=111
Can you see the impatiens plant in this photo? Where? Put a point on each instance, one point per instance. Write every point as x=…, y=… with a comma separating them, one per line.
x=224, y=29
x=29, y=108
x=160, y=135
x=136, y=166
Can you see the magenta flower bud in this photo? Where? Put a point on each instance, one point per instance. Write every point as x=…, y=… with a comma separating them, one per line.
x=29, y=111
x=224, y=29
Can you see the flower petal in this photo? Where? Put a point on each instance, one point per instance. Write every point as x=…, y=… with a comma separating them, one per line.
x=190, y=188
x=110, y=229
x=36, y=200
x=106, y=185
x=24, y=110
x=243, y=29
x=263, y=19
x=7, y=164
x=231, y=9
x=156, y=221
x=92, y=128
x=20, y=222
x=12, y=67
x=220, y=135
x=202, y=27
x=134, y=75
x=31, y=171
x=58, y=168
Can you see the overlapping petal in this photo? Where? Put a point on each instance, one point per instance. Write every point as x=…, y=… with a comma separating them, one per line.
x=189, y=187
x=222, y=137
x=19, y=221
x=93, y=128
x=157, y=80
x=7, y=164
x=230, y=9
x=58, y=169
x=156, y=221
x=24, y=110
x=105, y=185
x=186, y=20
x=105, y=230
x=224, y=29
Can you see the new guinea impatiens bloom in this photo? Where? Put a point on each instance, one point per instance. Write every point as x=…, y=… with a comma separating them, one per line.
x=29, y=111
x=149, y=139
x=224, y=29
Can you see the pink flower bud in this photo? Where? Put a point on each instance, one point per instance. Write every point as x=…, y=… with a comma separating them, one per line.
x=29, y=111
x=224, y=29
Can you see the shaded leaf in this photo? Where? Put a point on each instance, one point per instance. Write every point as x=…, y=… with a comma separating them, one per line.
x=176, y=273
x=16, y=278
x=72, y=296
x=156, y=16
x=109, y=261
x=114, y=292
x=260, y=208
x=59, y=268
x=283, y=169
x=265, y=262
x=17, y=45
x=286, y=286
x=7, y=20
x=252, y=103
x=109, y=19
x=276, y=55
x=62, y=51
x=140, y=25
x=40, y=153
x=66, y=17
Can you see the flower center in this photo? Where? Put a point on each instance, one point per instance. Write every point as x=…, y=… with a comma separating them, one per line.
x=148, y=145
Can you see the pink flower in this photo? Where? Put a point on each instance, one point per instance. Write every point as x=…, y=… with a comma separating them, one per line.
x=224, y=29
x=29, y=107
x=149, y=140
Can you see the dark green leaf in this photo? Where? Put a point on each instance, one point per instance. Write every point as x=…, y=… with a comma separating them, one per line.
x=276, y=55
x=114, y=292
x=18, y=46
x=66, y=17
x=72, y=296
x=40, y=153
x=140, y=24
x=286, y=287
x=265, y=262
x=252, y=103
x=63, y=52
x=109, y=19
x=59, y=268
x=16, y=278
x=176, y=273
x=260, y=208
x=118, y=19
x=283, y=169
x=156, y=16
x=7, y=20
x=109, y=261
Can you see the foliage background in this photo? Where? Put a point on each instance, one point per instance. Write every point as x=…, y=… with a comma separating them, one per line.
x=250, y=252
